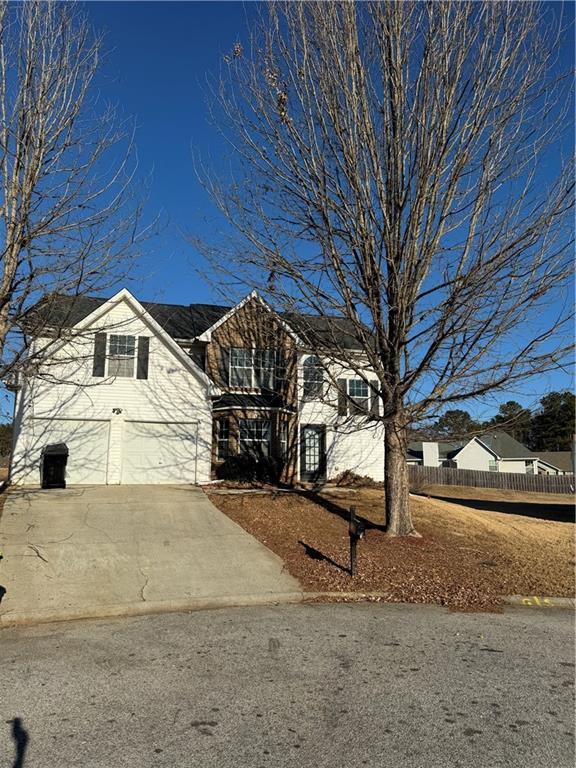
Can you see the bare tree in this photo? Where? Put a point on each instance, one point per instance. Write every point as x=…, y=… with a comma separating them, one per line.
x=400, y=164
x=69, y=219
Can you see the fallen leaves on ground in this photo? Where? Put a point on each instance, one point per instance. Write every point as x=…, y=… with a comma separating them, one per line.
x=466, y=559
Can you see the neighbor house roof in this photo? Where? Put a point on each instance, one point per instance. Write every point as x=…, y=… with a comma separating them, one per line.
x=501, y=444
x=559, y=459
x=445, y=450
x=505, y=446
x=188, y=321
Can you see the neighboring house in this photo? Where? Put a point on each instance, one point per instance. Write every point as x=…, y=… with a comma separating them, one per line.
x=555, y=463
x=492, y=452
x=158, y=393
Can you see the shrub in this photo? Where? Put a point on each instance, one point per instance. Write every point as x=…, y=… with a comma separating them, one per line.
x=244, y=468
x=349, y=479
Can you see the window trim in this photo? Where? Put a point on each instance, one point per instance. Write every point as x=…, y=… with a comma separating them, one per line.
x=223, y=421
x=117, y=357
x=255, y=382
x=358, y=404
x=267, y=441
x=316, y=384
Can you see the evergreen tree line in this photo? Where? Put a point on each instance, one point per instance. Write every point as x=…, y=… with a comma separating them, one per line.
x=548, y=428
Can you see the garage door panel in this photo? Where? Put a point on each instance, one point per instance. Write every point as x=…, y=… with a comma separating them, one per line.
x=154, y=453
x=87, y=443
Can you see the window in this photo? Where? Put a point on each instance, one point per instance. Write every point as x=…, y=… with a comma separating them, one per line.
x=358, y=394
x=222, y=436
x=492, y=465
x=264, y=364
x=529, y=467
x=252, y=368
x=283, y=439
x=121, y=353
x=240, y=367
x=313, y=378
x=255, y=437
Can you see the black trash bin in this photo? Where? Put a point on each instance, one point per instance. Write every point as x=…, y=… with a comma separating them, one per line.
x=53, y=466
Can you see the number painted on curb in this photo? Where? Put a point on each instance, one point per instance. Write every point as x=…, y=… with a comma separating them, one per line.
x=537, y=601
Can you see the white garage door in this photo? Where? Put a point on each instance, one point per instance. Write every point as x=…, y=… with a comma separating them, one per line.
x=87, y=443
x=155, y=452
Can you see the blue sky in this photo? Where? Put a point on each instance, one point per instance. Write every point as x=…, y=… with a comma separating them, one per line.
x=159, y=56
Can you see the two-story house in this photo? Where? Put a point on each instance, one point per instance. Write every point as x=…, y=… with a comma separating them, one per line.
x=157, y=393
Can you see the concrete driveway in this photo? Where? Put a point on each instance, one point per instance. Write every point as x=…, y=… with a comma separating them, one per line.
x=118, y=550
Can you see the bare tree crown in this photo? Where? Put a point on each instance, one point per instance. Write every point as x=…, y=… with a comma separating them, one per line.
x=68, y=215
x=390, y=166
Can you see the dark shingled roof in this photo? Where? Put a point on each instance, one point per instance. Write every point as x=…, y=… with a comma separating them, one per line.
x=445, y=450
x=323, y=331
x=505, y=446
x=241, y=400
x=501, y=443
x=559, y=459
x=187, y=321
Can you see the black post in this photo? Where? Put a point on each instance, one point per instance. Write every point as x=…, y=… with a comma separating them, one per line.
x=353, y=540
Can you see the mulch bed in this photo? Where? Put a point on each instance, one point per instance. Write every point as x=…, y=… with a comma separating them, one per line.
x=464, y=561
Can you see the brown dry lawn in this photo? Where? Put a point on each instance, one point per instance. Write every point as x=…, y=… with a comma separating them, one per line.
x=466, y=558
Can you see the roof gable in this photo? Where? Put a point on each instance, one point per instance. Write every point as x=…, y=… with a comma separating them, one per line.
x=558, y=459
x=125, y=296
x=207, y=334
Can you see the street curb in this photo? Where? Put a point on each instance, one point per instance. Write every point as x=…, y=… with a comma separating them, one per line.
x=15, y=619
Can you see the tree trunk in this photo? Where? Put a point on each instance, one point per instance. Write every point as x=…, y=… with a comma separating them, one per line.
x=398, y=517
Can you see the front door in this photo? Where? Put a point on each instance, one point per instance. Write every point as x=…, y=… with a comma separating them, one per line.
x=312, y=453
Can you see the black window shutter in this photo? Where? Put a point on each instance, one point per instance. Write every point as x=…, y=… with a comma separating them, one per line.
x=99, y=362
x=342, y=398
x=225, y=367
x=375, y=399
x=143, y=353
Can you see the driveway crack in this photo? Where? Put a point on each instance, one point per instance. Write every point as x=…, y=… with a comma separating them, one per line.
x=94, y=527
x=143, y=587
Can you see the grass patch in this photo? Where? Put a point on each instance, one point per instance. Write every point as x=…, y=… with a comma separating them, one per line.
x=466, y=559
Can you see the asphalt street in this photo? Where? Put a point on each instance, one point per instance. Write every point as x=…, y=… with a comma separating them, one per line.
x=300, y=685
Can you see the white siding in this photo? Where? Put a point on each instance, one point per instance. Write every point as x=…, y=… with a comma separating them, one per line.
x=171, y=393
x=351, y=444
x=474, y=456
x=512, y=466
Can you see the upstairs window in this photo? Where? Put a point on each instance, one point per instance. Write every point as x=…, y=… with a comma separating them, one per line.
x=313, y=376
x=121, y=356
x=264, y=365
x=252, y=368
x=359, y=395
x=241, y=367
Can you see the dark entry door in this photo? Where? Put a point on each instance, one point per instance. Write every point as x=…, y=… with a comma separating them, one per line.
x=312, y=452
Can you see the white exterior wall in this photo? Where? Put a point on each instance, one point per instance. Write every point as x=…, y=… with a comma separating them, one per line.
x=474, y=456
x=351, y=444
x=512, y=466
x=171, y=393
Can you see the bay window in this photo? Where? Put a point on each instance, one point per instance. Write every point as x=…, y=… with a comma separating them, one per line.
x=255, y=437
